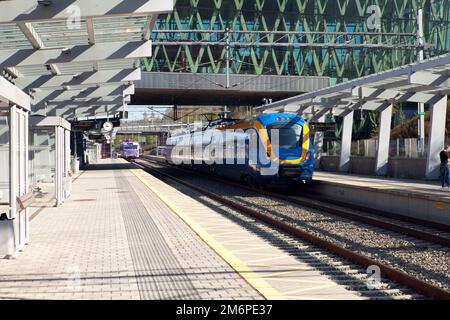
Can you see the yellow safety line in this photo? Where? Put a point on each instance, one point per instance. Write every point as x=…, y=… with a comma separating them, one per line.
x=290, y=280
x=284, y=273
x=227, y=234
x=324, y=286
x=259, y=260
x=262, y=286
x=254, y=248
x=236, y=242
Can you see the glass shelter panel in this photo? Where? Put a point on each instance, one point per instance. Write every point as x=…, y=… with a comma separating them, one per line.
x=43, y=164
x=4, y=163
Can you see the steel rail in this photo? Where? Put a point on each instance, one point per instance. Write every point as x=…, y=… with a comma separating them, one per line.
x=386, y=270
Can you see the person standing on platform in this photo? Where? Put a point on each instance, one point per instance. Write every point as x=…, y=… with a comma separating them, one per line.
x=445, y=170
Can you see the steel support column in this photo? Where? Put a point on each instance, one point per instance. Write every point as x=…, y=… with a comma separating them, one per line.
x=318, y=144
x=436, y=139
x=59, y=166
x=67, y=153
x=13, y=161
x=346, y=142
x=18, y=224
x=13, y=183
x=384, y=137
x=26, y=214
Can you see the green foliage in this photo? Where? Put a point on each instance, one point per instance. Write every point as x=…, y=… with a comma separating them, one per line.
x=408, y=128
x=365, y=125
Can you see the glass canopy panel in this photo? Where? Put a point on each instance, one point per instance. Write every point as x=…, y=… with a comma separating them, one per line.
x=32, y=71
x=119, y=29
x=117, y=64
x=76, y=67
x=62, y=33
x=4, y=161
x=12, y=38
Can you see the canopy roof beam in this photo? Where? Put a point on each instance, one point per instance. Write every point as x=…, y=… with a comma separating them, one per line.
x=385, y=85
x=105, y=101
x=75, y=54
x=72, y=110
x=87, y=93
x=12, y=94
x=82, y=79
x=438, y=81
x=16, y=11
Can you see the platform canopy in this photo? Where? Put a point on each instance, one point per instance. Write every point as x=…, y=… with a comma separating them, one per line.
x=424, y=82
x=75, y=52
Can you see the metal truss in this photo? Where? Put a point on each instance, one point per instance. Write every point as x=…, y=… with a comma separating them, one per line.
x=69, y=54
x=335, y=38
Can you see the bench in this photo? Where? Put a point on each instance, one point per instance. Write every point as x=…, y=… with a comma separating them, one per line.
x=25, y=201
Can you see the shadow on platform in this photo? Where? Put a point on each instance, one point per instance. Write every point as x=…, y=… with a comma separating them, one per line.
x=110, y=166
x=281, y=241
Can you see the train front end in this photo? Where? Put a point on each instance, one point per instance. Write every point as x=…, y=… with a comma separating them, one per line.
x=130, y=150
x=288, y=146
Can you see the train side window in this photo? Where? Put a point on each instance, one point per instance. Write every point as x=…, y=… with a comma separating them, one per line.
x=252, y=148
x=241, y=148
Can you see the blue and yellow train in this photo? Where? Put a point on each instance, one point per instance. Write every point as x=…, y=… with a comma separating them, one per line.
x=270, y=148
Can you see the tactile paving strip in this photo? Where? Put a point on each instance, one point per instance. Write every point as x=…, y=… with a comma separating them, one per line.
x=158, y=272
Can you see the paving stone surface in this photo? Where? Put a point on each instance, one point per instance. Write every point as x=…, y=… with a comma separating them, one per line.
x=114, y=239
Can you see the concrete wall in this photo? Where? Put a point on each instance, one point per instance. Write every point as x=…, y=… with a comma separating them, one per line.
x=398, y=167
x=362, y=165
x=358, y=165
x=329, y=163
x=407, y=168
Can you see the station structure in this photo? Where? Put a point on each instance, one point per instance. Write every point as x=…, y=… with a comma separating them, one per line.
x=424, y=82
x=116, y=231
x=61, y=60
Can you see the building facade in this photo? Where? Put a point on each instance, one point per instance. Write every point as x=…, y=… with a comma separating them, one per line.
x=340, y=39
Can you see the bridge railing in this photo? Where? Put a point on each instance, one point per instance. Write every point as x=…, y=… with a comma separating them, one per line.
x=150, y=128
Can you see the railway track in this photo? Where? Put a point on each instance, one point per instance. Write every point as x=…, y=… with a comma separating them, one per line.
x=286, y=226
x=423, y=230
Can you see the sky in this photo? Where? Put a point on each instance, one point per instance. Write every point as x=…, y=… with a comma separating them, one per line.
x=136, y=112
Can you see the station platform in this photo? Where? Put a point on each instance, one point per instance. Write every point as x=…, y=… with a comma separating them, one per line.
x=127, y=235
x=417, y=199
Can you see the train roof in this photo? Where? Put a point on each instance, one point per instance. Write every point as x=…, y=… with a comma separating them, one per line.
x=263, y=118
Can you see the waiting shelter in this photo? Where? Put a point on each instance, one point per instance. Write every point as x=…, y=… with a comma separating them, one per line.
x=14, y=183
x=50, y=174
x=426, y=82
x=60, y=60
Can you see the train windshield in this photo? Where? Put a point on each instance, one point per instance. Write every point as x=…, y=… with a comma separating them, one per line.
x=130, y=147
x=290, y=134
